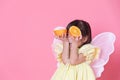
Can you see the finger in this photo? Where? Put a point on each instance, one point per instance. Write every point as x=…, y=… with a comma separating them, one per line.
x=62, y=35
x=55, y=37
x=76, y=38
x=65, y=35
x=72, y=37
x=59, y=37
x=80, y=37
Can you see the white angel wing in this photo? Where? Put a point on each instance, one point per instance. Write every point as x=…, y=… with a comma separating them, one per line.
x=105, y=41
x=57, y=45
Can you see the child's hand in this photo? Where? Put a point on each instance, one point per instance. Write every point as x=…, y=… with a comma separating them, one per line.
x=62, y=38
x=74, y=39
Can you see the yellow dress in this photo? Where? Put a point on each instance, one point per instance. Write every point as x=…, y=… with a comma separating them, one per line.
x=81, y=71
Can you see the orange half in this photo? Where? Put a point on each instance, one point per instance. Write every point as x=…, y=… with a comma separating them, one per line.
x=74, y=31
x=60, y=32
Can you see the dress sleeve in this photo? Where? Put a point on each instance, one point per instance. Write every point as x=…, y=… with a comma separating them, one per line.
x=58, y=48
x=91, y=52
x=59, y=57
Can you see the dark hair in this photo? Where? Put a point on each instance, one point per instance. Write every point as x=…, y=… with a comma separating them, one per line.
x=84, y=27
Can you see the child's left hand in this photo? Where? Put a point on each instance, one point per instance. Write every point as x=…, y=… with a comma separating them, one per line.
x=75, y=40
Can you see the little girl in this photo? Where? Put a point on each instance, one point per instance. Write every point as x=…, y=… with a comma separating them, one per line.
x=77, y=54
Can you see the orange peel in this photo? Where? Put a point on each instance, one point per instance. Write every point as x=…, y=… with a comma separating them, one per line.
x=60, y=31
x=75, y=31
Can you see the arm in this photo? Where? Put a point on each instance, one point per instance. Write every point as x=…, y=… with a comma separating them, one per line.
x=75, y=58
x=65, y=53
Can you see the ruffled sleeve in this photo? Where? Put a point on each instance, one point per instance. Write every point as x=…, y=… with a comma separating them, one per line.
x=91, y=52
x=58, y=48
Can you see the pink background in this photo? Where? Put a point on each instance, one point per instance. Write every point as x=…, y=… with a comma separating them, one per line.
x=26, y=34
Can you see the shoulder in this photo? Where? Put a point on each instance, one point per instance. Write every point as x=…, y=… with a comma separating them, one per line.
x=87, y=47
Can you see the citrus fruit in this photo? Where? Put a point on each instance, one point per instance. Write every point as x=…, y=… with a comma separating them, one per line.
x=59, y=31
x=74, y=31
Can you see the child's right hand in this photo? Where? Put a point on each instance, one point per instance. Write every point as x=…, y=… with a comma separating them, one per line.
x=62, y=37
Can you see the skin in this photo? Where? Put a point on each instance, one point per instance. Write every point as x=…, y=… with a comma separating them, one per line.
x=70, y=49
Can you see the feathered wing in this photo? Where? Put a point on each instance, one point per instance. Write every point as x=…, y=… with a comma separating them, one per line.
x=105, y=41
